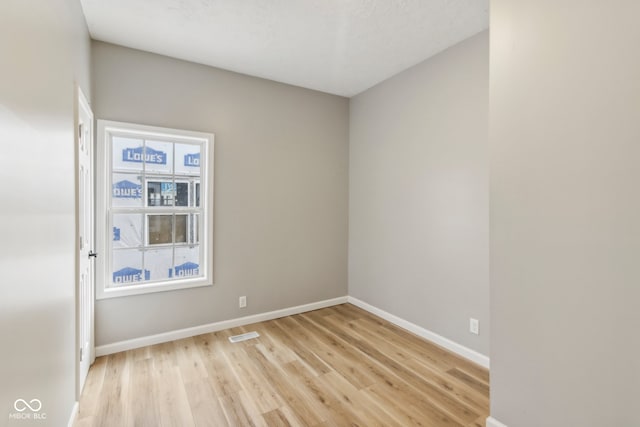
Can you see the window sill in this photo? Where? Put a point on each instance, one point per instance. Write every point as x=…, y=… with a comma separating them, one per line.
x=150, y=288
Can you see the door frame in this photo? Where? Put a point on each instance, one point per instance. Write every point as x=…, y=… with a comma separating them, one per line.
x=81, y=104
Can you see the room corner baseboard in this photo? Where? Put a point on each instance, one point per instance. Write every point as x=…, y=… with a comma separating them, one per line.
x=131, y=344
x=74, y=414
x=492, y=422
x=459, y=349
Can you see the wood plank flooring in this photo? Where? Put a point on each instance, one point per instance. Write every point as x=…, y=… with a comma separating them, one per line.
x=339, y=366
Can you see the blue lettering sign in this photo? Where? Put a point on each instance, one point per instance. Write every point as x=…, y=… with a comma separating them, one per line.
x=144, y=154
x=130, y=275
x=185, y=270
x=166, y=187
x=127, y=190
x=116, y=234
x=192, y=160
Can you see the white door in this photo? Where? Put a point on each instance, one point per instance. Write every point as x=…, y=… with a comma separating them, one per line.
x=86, y=255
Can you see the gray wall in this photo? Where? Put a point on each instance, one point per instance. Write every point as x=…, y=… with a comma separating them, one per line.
x=565, y=209
x=418, y=203
x=281, y=187
x=44, y=47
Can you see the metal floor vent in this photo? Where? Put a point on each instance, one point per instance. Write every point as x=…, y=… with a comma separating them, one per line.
x=244, y=337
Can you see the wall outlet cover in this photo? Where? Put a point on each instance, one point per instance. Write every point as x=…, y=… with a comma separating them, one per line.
x=474, y=326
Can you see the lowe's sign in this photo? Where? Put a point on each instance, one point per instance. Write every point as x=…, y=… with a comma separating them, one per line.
x=185, y=270
x=144, y=154
x=130, y=275
x=192, y=160
x=127, y=190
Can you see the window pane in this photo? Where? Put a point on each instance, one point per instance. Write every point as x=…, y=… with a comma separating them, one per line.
x=182, y=194
x=127, y=230
x=195, y=229
x=181, y=228
x=159, y=157
x=187, y=159
x=126, y=190
x=126, y=154
x=160, y=193
x=160, y=229
x=159, y=263
x=153, y=215
x=187, y=262
x=127, y=268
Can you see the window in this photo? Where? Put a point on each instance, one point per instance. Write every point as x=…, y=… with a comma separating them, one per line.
x=155, y=192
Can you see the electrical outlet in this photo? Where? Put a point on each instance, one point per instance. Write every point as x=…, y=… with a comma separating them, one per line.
x=242, y=302
x=474, y=326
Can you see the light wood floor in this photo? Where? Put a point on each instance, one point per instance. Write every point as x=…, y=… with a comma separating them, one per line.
x=338, y=366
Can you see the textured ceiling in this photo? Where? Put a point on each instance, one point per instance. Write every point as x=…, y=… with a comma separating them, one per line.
x=337, y=46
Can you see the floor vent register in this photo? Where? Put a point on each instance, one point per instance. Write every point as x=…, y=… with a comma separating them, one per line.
x=244, y=337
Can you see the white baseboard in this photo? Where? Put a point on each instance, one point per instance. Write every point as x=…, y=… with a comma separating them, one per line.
x=74, y=414
x=459, y=349
x=492, y=422
x=117, y=347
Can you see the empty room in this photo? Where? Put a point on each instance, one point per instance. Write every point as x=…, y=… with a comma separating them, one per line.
x=319, y=213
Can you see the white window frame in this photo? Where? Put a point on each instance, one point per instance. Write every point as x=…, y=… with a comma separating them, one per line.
x=106, y=129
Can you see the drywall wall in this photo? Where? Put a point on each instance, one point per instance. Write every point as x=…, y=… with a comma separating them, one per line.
x=565, y=235
x=281, y=187
x=44, y=47
x=418, y=203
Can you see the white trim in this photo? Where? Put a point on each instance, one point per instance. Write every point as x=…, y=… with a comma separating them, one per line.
x=492, y=422
x=74, y=414
x=453, y=346
x=83, y=107
x=131, y=344
x=116, y=347
x=104, y=211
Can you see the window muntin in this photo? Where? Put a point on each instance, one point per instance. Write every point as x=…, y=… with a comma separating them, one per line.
x=155, y=209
